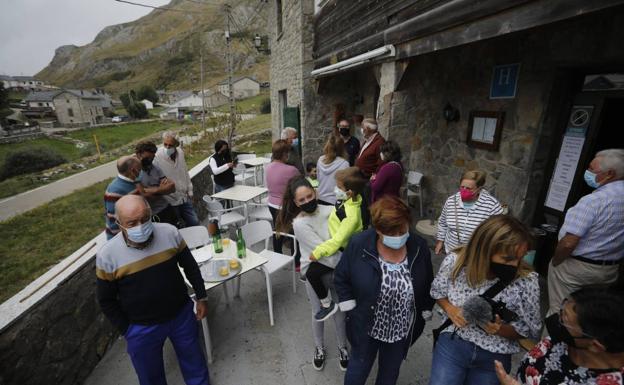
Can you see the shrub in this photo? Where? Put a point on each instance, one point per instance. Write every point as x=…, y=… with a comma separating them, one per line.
x=265, y=106
x=29, y=160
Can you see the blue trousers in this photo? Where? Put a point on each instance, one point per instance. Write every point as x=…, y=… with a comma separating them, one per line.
x=459, y=362
x=363, y=356
x=145, y=347
x=186, y=212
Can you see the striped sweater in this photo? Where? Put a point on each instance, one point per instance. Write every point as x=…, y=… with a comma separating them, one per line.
x=456, y=223
x=145, y=286
x=119, y=187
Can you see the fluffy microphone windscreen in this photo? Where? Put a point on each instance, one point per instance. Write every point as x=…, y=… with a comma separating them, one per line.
x=477, y=311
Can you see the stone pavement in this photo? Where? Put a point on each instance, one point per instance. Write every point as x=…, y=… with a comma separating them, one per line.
x=247, y=350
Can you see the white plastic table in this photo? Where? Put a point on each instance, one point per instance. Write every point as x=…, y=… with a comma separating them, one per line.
x=250, y=262
x=241, y=193
x=257, y=164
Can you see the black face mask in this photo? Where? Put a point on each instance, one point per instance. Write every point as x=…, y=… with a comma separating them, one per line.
x=558, y=332
x=505, y=273
x=309, y=207
x=146, y=163
x=344, y=131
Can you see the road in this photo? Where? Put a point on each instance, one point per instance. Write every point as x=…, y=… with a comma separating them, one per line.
x=29, y=200
x=20, y=203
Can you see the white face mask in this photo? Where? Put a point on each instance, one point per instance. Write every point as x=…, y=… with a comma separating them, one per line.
x=340, y=195
x=170, y=151
x=381, y=155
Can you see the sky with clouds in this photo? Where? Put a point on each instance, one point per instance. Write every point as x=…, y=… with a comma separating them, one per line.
x=32, y=29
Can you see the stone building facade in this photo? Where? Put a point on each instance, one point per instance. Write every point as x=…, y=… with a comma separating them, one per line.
x=407, y=94
x=74, y=109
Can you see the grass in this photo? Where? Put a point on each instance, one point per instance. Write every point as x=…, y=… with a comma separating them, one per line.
x=111, y=137
x=259, y=123
x=247, y=106
x=35, y=241
x=67, y=149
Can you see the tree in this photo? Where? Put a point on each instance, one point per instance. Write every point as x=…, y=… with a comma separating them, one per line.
x=4, y=103
x=149, y=93
x=131, y=103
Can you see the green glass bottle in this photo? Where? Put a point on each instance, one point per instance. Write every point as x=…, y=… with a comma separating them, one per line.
x=217, y=242
x=241, y=249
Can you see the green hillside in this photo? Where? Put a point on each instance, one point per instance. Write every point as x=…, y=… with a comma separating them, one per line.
x=163, y=48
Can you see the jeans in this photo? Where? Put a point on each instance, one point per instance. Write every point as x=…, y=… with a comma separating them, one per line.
x=145, y=347
x=362, y=359
x=219, y=188
x=186, y=212
x=459, y=362
x=168, y=215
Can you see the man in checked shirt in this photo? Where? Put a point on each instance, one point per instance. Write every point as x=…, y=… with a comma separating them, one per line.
x=591, y=240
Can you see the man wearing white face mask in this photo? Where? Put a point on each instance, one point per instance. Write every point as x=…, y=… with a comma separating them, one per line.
x=141, y=291
x=170, y=159
x=591, y=240
x=383, y=281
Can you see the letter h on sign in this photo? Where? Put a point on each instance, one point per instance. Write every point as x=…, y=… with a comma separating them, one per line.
x=504, y=81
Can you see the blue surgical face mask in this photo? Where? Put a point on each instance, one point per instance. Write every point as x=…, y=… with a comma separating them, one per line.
x=340, y=195
x=170, y=151
x=295, y=142
x=590, y=179
x=395, y=242
x=140, y=233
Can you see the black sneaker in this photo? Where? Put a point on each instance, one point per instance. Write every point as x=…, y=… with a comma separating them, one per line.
x=326, y=312
x=302, y=277
x=319, y=358
x=344, y=359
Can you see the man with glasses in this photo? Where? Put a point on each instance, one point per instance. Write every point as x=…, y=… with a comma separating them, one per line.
x=591, y=240
x=585, y=344
x=351, y=144
x=142, y=292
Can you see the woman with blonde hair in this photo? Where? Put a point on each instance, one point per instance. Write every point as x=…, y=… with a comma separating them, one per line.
x=332, y=160
x=489, y=270
x=464, y=211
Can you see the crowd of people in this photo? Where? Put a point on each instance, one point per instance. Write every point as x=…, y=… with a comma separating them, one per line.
x=369, y=274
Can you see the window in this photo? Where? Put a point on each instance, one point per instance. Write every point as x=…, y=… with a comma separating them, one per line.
x=40, y=104
x=70, y=112
x=67, y=101
x=278, y=17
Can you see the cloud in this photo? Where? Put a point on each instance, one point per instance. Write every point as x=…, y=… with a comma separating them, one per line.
x=33, y=29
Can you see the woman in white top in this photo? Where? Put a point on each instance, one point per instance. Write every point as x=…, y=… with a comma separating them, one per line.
x=464, y=211
x=328, y=164
x=309, y=221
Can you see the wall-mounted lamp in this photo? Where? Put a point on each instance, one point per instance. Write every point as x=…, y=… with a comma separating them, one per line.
x=451, y=114
x=261, y=44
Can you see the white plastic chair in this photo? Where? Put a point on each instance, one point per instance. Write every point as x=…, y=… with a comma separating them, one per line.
x=226, y=217
x=195, y=236
x=242, y=173
x=414, y=188
x=258, y=231
x=258, y=211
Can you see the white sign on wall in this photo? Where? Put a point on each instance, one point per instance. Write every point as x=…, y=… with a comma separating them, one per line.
x=565, y=169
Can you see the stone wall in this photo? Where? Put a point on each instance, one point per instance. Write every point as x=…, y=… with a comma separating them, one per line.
x=412, y=114
x=57, y=333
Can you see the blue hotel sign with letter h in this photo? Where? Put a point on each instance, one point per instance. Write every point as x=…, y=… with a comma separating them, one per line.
x=504, y=81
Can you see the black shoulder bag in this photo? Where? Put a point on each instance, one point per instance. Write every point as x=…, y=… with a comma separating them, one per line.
x=489, y=293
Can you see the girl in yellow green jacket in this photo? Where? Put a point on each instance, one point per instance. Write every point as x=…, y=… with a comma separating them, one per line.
x=343, y=222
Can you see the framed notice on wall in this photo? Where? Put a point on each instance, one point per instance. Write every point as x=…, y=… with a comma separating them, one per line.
x=484, y=129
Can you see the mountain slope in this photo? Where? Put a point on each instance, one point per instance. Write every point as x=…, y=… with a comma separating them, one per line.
x=162, y=49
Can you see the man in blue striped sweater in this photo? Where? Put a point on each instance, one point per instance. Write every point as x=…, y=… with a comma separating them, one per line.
x=128, y=170
x=142, y=292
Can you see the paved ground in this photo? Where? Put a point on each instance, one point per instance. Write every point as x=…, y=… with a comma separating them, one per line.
x=247, y=350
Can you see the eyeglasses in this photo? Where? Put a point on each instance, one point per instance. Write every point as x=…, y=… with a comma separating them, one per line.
x=577, y=329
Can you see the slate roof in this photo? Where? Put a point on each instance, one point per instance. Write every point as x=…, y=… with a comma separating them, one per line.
x=41, y=96
x=237, y=79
